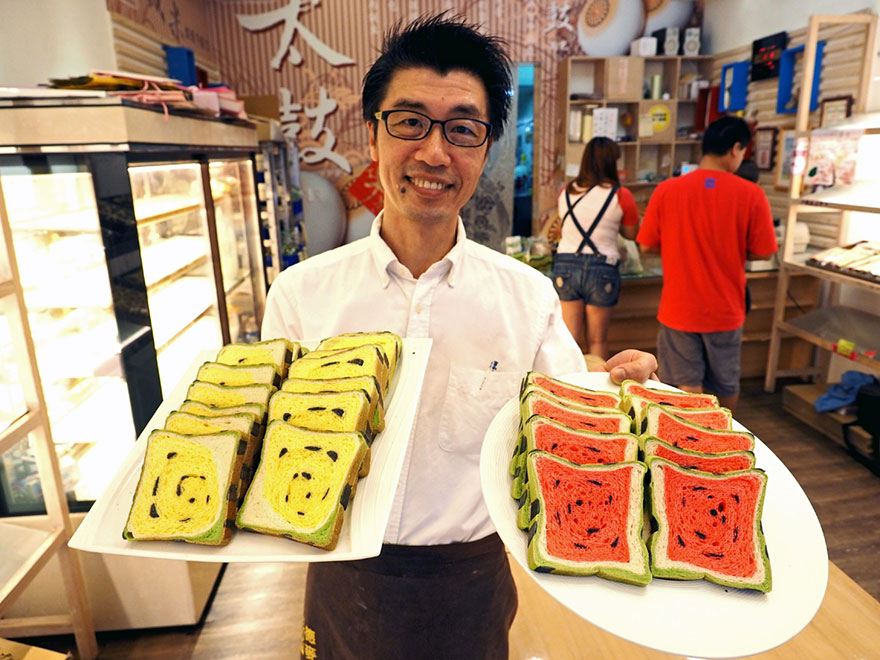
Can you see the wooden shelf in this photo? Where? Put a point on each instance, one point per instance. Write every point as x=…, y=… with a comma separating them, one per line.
x=834, y=276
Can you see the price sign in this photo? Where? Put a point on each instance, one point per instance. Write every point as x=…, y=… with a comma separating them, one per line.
x=846, y=348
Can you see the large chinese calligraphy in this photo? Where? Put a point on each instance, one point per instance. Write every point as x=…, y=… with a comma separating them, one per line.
x=291, y=126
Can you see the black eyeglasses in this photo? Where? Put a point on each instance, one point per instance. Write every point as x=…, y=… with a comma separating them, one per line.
x=411, y=125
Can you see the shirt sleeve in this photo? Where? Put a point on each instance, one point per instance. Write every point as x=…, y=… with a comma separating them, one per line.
x=628, y=206
x=649, y=232
x=761, y=236
x=558, y=353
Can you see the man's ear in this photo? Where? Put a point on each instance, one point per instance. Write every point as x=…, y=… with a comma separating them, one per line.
x=372, y=129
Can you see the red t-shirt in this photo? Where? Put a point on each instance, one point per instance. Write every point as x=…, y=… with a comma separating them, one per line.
x=704, y=223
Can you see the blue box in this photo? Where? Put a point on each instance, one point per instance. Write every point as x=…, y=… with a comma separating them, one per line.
x=181, y=64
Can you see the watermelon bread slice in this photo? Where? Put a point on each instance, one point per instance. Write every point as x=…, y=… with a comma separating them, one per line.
x=720, y=419
x=588, y=519
x=709, y=526
x=563, y=390
x=687, y=435
x=718, y=463
x=586, y=418
x=630, y=388
x=579, y=447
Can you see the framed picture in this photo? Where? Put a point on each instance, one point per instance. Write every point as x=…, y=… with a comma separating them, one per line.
x=785, y=156
x=765, y=147
x=834, y=110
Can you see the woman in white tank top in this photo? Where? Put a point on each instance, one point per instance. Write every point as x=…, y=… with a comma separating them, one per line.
x=594, y=208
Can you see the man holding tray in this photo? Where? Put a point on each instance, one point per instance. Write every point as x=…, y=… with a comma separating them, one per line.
x=434, y=102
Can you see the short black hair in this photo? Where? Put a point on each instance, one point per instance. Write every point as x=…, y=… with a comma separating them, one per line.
x=443, y=44
x=723, y=133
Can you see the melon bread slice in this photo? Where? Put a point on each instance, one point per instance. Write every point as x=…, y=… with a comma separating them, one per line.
x=326, y=411
x=586, y=418
x=303, y=485
x=720, y=419
x=244, y=423
x=716, y=463
x=368, y=384
x=390, y=343
x=223, y=396
x=576, y=445
x=580, y=447
x=188, y=488
x=631, y=388
x=279, y=352
x=236, y=375
x=563, y=390
x=687, y=435
x=204, y=410
x=709, y=526
x=588, y=519
x=365, y=360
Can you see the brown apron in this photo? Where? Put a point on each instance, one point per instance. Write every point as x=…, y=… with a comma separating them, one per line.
x=454, y=601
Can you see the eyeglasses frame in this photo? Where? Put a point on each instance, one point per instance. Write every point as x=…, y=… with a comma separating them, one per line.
x=383, y=116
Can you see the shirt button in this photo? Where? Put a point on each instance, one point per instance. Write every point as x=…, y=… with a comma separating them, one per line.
x=418, y=309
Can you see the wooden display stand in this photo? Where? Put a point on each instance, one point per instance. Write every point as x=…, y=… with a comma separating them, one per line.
x=845, y=199
x=33, y=550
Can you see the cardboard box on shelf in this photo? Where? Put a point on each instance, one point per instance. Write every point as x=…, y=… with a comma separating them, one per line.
x=624, y=77
x=10, y=650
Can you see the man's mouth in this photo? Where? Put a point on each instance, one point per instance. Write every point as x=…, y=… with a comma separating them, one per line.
x=428, y=185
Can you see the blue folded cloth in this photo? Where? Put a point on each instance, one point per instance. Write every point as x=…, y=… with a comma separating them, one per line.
x=843, y=393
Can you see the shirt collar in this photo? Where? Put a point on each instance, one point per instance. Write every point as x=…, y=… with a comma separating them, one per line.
x=385, y=259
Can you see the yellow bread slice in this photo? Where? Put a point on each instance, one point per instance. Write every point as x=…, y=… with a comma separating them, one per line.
x=245, y=424
x=303, y=485
x=368, y=384
x=329, y=411
x=367, y=360
x=390, y=343
x=221, y=396
x=279, y=352
x=235, y=375
x=188, y=488
x=204, y=410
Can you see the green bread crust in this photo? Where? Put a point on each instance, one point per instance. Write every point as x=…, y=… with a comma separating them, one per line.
x=640, y=413
x=651, y=444
x=656, y=413
x=517, y=463
x=663, y=567
x=520, y=476
x=220, y=533
x=636, y=572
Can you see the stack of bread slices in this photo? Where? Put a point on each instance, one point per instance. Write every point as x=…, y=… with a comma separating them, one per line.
x=580, y=464
x=271, y=438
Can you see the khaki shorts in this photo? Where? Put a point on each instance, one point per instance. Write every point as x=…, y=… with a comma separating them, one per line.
x=710, y=360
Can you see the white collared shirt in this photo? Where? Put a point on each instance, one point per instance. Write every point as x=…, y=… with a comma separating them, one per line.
x=478, y=306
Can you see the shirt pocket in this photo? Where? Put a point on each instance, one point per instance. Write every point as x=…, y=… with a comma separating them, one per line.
x=473, y=397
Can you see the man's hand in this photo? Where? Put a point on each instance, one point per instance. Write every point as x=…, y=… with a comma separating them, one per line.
x=631, y=364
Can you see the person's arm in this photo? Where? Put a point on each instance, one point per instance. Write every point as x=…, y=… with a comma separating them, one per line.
x=761, y=238
x=280, y=318
x=629, y=225
x=630, y=364
x=648, y=237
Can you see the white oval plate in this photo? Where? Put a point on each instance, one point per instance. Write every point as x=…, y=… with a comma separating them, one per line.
x=692, y=618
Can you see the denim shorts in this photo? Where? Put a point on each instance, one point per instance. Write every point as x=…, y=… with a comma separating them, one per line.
x=707, y=359
x=587, y=277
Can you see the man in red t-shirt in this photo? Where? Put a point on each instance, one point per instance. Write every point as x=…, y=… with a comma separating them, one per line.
x=705, y=225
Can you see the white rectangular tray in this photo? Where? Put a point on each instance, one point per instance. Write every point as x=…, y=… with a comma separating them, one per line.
x=365, y=520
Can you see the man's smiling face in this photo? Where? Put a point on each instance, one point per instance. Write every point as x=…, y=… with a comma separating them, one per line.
x=429, y=180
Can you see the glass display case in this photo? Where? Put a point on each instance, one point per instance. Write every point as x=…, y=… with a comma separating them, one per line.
x=175, y=246
x=238, y=243
x=134, y=235
x=56, y=235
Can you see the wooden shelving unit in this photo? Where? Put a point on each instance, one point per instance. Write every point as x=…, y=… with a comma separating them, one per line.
x=30, y=550
x=618, y=82
x=845, y=199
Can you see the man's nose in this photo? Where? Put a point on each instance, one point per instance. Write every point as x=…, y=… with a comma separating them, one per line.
x=434, y=148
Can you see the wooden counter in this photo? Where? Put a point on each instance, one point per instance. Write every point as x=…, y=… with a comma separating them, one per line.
x=634, y=320
x=847, y=625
